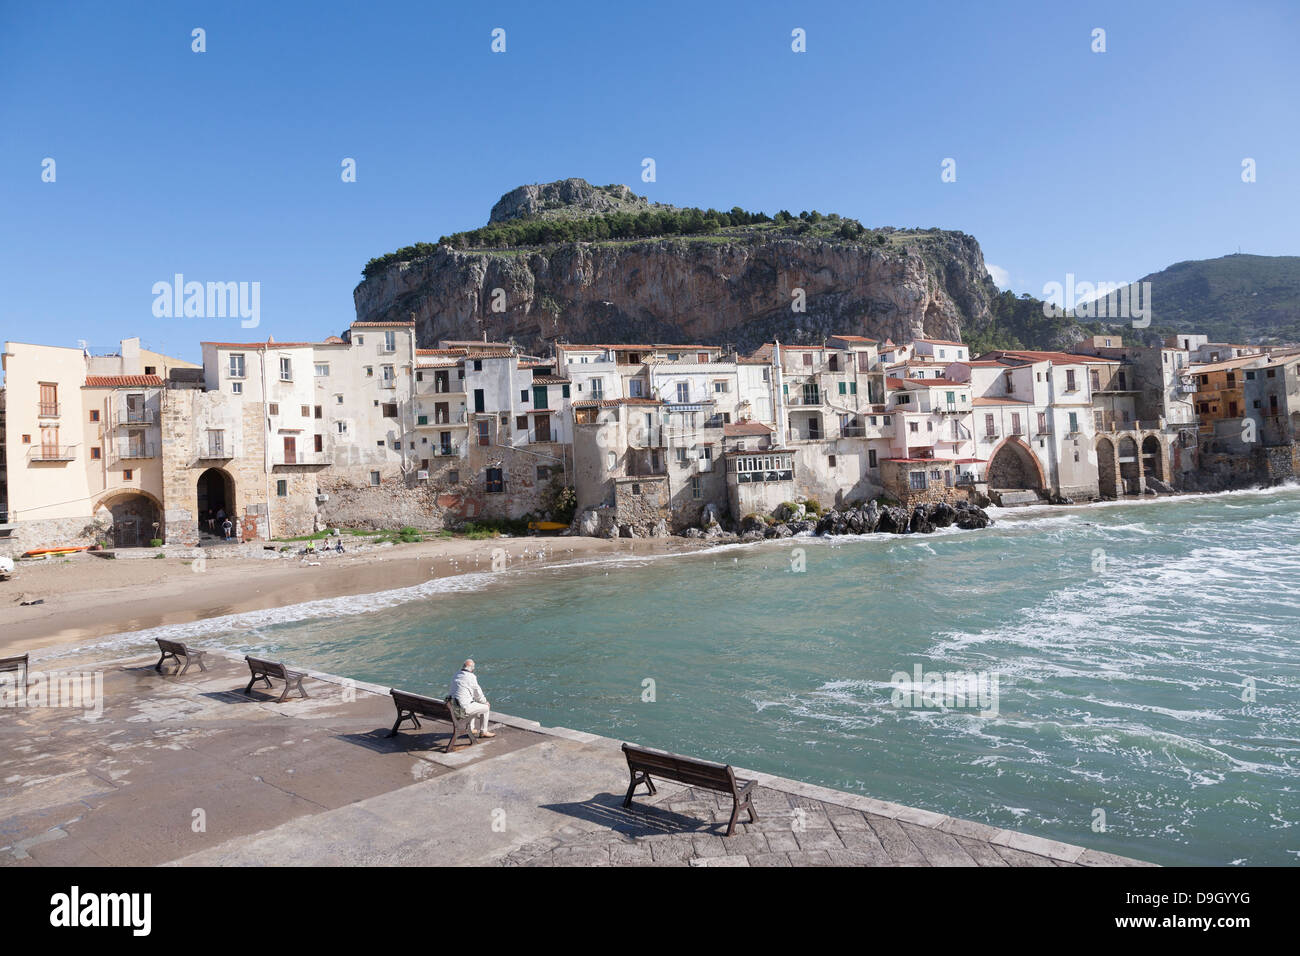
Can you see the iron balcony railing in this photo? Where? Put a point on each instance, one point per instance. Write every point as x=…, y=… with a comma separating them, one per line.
x=52, y=453
x=216, y=448
x=303, y=458
x=136, y=449
x=48, y=409
x=136, y=416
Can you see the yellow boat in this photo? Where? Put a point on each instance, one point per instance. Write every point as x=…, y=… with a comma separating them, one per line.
x=546, y=526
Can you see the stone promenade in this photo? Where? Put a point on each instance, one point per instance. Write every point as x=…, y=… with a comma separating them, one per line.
x=191, y=771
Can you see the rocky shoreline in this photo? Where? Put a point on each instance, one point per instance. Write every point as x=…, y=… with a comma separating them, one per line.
x=794, y=519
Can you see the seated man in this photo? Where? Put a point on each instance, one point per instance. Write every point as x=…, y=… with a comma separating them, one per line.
x=467, y=693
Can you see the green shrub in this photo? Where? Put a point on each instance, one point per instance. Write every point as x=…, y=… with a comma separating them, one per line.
x=813, y=506
x=155, y=542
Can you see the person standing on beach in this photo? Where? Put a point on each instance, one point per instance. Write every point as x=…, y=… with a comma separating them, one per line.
x=467, y=693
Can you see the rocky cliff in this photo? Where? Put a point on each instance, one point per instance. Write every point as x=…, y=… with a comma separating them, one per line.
x=731, y=286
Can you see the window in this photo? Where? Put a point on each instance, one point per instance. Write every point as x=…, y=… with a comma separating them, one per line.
x=681, y=455
x=390, y=409
x=830, y=460
x=1015, y=423
x=319, y=442
x=151, y=370
x=702, y=357
x=706, y=453
x=374, y=479
x=913, y=427
x=128, y=474
x=306, y=411
x=496, y=483
x=318, y=411
x=237, y=388
x=543, y=472
x=903, y=399
x=564, y=390
x=274, y=408
x=390, y=341
x=807, y=358
x=697, y=490
x=361, y=340
x=990, y=430
x=1070, y=386
x=453, y=477
x=27, y=439
x=342, y=427
x=844, y=388
x=381, y=444
x=322, y=370
x=523, y=396
x=721, y=387
x=483, y=432
x=636, y=488
x=94, y=414
x=1074, y=422
x=237, y=366
x=388, y=377
x=1042, y=422
x=282, y=488
x=853, y=388
x=94, y=454
x=916, y=481
x=338, y=399
x=370, y=371
x=683, y=392
x=478, y=365
x=521, y=422
x=286, y=368
x=598, y=388
x=871, y=458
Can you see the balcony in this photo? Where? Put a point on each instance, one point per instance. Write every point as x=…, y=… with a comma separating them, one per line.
x=643, y=437
x=806, y=398
x=454, y=450
x=136, y=416
x=48, y=409
x=215, y=450
x=853, y=431
x=124, y=450
x=52, y=453
x=302, y=458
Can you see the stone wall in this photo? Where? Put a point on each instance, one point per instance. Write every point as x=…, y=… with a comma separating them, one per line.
x=395, y=502
x=52, y=533
x=640, y=504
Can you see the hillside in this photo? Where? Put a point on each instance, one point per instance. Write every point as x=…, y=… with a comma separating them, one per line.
x=1235, y=298
x=571, y=265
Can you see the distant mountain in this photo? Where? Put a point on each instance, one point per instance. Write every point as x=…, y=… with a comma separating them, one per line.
x=1236, y=298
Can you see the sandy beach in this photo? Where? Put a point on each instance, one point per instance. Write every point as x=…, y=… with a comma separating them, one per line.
x=86, y=597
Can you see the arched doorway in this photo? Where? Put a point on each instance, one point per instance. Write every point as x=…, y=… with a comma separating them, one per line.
x=136, y=519
x=1015, y=467
x=1153, y=458
x=1129, y=468
x=216, y=497
x=1107, y=479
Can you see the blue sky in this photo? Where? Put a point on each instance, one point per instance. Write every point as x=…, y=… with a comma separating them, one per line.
x=225, y=165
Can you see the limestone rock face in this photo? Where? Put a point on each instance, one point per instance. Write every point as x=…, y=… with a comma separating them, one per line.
x=727, y=291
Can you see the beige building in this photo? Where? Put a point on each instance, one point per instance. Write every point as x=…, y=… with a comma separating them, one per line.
x=81, y=446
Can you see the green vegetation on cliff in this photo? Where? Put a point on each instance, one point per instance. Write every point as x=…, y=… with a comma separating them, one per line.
x=736, y=224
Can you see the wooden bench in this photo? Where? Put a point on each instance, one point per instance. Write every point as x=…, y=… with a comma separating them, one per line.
x=644, y=761
x=414, y=706
x=12, y=665
x=265, y=670
x=175, y=650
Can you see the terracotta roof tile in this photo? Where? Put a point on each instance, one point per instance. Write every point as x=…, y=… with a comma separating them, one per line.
x=741, y=429
x=124, y=381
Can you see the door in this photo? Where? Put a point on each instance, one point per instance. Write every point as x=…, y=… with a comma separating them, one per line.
x=49, y=399
x=478, y=400
x=290, y=450
x=542, y=428
x=539, y=396
x=135, y=408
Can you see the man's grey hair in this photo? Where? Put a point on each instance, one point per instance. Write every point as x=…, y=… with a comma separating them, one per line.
x=468, y=665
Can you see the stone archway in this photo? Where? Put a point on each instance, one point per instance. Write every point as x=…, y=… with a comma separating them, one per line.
x=1014, y=466
x=136, y=516
x=1107, y=472
x=1153, y=458
x=216, y=496
x=1130, y=468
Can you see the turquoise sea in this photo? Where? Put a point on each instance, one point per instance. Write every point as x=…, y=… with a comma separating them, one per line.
x=1147, y=657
